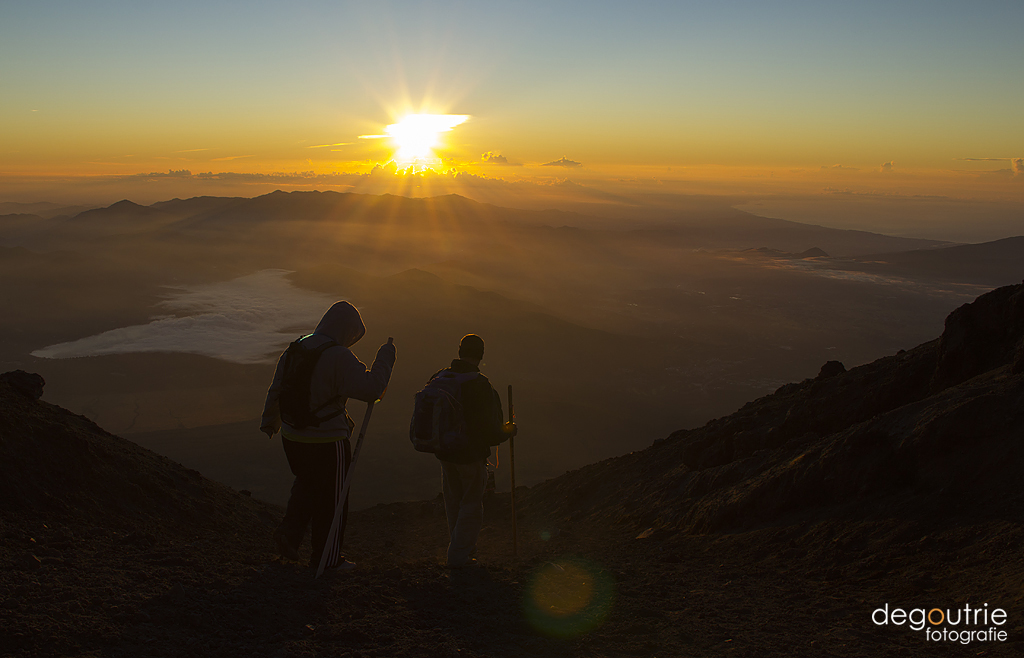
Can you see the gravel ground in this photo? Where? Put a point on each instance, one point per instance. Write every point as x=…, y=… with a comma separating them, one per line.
x=802, y=589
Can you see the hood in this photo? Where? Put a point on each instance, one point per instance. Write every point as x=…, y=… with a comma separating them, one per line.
x=342, y=323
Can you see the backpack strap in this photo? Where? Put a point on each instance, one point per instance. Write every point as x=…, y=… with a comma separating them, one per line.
x=460, y=377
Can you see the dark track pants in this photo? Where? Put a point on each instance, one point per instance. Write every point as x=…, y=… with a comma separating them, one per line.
x=319, y=470
x=463, y=486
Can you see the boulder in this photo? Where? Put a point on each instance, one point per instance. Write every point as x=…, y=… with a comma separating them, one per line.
x=28, y=384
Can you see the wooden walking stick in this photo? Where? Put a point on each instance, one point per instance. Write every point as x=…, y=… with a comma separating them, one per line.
x=512, y=466
x=345, y=487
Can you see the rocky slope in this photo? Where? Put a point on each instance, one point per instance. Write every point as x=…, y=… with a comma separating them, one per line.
x=937, y=425
x=60, y=466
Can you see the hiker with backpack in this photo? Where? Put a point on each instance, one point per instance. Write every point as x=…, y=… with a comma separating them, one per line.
x=314, y=379
x=458, y=417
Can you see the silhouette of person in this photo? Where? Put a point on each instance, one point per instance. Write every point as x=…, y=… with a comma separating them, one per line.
x=319, y=456
x=464, y=473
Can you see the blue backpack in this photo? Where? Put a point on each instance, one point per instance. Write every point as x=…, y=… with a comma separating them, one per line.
x=438, y=422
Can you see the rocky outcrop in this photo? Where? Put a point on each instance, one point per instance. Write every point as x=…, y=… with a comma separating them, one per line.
x=28, y=384
x=830, y=369
x=980, y=336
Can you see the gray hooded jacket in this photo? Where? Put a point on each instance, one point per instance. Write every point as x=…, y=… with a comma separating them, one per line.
x=338, y=373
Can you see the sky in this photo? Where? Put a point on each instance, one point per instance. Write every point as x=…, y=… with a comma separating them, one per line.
x=923, y=97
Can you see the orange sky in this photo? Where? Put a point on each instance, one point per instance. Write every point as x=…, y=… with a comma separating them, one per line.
x=735, y=97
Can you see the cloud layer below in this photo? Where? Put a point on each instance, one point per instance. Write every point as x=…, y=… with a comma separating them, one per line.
x=246, y=320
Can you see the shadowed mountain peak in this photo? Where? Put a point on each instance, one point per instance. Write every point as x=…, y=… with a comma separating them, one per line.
x=121, y=208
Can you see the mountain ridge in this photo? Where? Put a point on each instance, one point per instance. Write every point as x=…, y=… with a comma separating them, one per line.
x=231, y=213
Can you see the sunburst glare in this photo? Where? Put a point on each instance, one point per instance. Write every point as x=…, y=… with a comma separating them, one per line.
x=416, y=136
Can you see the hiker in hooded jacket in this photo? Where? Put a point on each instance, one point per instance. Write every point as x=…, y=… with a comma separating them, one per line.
x=315, y=426
x=464, y=470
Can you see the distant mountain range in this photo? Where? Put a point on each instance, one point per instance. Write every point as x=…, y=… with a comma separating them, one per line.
x=267, y=215
x=989, y=262
x=41, y=209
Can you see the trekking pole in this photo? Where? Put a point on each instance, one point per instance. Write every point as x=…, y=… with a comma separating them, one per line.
x=512, y=467
x=348, y=482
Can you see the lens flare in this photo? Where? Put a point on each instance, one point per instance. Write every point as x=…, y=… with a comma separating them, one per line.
x=416, y=136
x=568, y=597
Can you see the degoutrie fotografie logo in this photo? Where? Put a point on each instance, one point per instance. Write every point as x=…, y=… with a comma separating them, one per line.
x=964, y=625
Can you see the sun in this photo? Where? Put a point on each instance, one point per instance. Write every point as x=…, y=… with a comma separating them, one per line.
x=416, y=136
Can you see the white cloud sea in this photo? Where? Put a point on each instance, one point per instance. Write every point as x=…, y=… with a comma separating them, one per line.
x=247, y=320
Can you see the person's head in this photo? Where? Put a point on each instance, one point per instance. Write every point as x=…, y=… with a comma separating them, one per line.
x=471, y=348
x=342, y=323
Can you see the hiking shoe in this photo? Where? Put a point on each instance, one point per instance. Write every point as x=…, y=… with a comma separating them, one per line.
x=340, y=567
x=284, y=547
x=471, y=562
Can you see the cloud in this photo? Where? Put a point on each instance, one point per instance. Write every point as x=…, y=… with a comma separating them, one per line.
x=563, y=162
x=247, y=320
x=838, y=166
x=233, y=157
x=886, y=166
x=1016, y=166
x=390, y=167
x=276, y=178
x=494, y=158
x=186, y=151
x=173, y=173
x=373, y=136
x=321, y=146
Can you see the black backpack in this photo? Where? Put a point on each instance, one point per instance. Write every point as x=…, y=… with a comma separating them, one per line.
x=299, y=362
x=438, y=422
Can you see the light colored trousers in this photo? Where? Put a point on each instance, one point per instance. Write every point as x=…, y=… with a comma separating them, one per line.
x=463, y=486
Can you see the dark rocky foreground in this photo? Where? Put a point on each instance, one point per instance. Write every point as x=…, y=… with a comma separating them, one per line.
x=776, y=530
